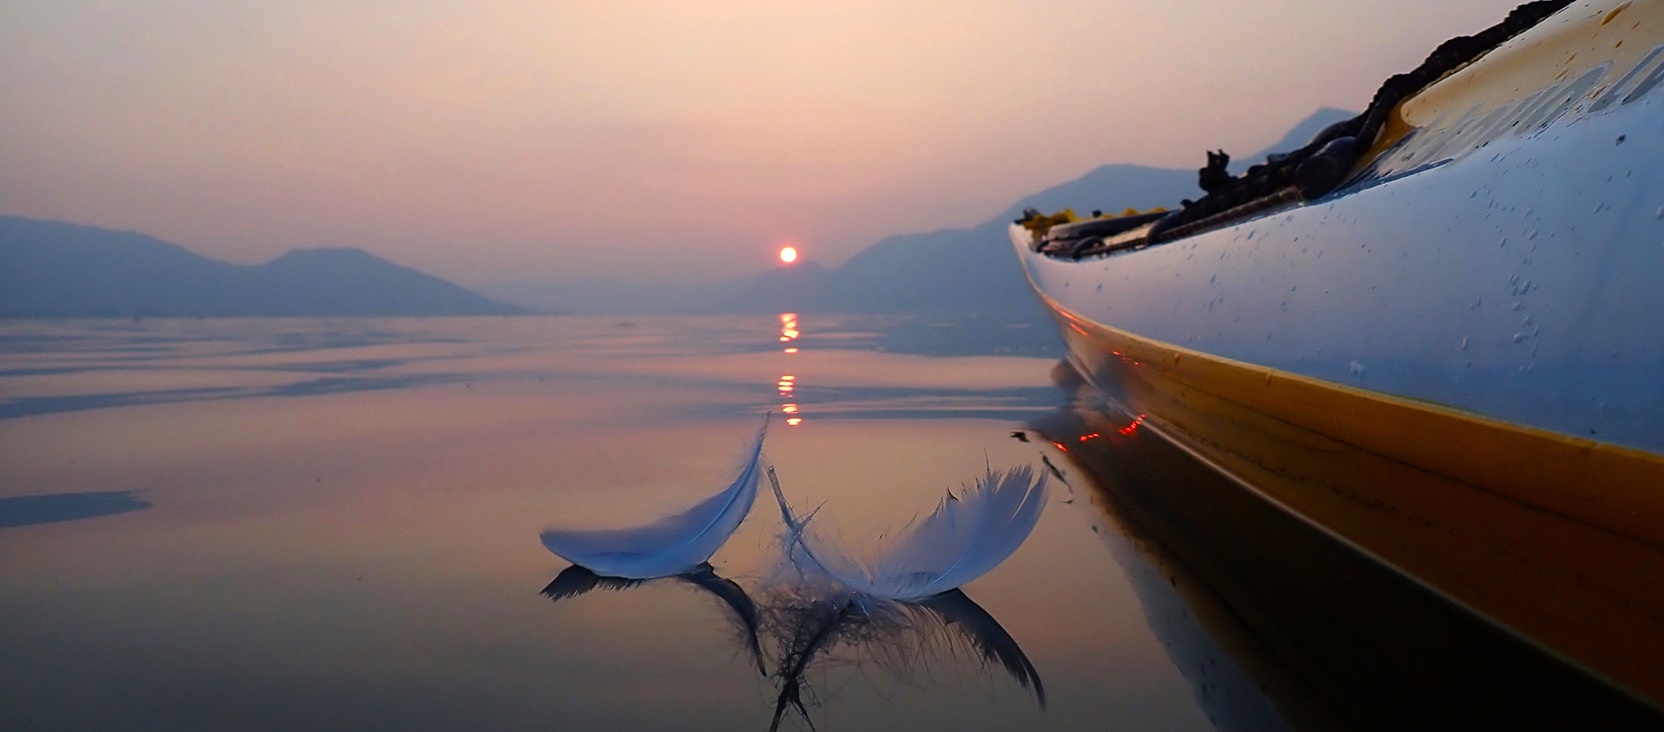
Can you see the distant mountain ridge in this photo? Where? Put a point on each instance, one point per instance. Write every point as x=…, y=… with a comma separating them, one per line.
x=974, y=270
x=55, y=269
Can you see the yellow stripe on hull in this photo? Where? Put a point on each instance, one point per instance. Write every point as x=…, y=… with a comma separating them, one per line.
x=1557, y=538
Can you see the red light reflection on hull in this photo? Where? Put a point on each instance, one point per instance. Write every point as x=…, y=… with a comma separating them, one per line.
x=1132, y=427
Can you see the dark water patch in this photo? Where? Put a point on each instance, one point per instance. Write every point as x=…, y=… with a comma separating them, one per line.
x=36, y=343
x=60, y=370
x=323, y=367
x=342, y=385
x=91, y=347
x=305, y=347
x=37, y=406
x=337, y=367
x=58, y=507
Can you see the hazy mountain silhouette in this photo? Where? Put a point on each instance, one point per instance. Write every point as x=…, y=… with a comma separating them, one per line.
x=973, y=270
x=803, y=285
x=53, y=269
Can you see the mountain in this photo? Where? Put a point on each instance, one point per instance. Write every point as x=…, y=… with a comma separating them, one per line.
x=973, y=270
x=53, y=269
x=801, y=286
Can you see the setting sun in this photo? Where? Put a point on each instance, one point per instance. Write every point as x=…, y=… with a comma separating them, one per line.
x=788, y=254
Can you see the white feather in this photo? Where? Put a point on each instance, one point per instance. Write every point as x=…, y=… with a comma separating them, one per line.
x=672, y=545
x=964, y=538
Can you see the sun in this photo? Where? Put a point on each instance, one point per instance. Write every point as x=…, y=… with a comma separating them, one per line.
x=788, y=254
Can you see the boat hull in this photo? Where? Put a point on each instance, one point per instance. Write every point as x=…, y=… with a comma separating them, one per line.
x=1454, y=362
x=1512, y=275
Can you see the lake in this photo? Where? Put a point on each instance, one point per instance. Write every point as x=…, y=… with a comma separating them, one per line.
x=334, y=524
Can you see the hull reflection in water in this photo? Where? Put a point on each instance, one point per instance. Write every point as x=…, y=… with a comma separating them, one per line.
x=1277, y=624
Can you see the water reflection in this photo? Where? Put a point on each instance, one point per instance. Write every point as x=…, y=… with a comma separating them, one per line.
x=903, y=638
x=740, y=611
x=354, y=555
x=788, y=330
x=1278, y=625
x=807, y=635
x=829, y=602
x=787, y=385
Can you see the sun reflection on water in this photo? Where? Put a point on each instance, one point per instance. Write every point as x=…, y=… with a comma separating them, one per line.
x=787, y=383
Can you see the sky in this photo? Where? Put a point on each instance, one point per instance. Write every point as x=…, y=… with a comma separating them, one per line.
x=494, y=141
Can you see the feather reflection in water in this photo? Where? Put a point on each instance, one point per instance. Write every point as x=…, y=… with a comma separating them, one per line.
x=901, y=606
x=901, y=609
x=671, y=546
x=903, y=637
x=576, y=580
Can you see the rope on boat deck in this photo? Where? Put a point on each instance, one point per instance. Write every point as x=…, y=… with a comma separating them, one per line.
x=1322, y=165
x=1311, y=171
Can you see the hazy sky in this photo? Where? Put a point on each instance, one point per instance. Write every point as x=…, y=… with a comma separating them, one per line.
x=492, y=141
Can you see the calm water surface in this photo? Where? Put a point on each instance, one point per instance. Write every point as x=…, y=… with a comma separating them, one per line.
x=290, y=524
x=284, y=524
